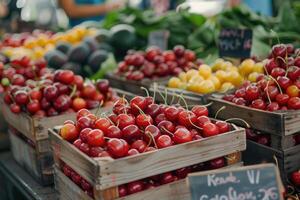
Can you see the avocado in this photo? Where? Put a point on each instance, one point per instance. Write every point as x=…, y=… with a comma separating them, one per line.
x=92, y=43
x=79, y=53
x=102, y=35
x=56, y=59
x=75, y=67
x=63, y=47
x=96, y=59
x=122, y=37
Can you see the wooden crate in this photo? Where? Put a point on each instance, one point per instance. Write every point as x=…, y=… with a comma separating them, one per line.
x=288, y=160
x=68, y=190
x=133, y=86
x=106, y=173
x=279, y=123
x=39, y=165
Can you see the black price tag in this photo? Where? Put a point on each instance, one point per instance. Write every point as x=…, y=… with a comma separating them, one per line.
x=235, y=43
x=159, y=39
x=255, y=182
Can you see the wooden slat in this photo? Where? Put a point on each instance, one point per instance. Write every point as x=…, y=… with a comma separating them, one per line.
x=132, y=168
x=270, y=122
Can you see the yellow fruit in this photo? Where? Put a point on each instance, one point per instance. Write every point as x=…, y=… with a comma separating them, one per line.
x=206, y=86
x=217, y=65
x=253, y=76
x=246, y=67
x=191, y=73
x=182, y=85
x=30, y=43
x=226, y=86
x=216, y=82
x=205, y=71
x=232, y=68
x=174, y=82
x=258, y=67
x=183, y=77
x=42, y=40
x=196, y=79
x=221, y=75
x=235, y=78
x=192, y=87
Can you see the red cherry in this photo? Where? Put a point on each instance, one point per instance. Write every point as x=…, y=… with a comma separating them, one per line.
x=182, y=135
x=166, y=127
x=223, y=126
x=139, y=102
x=35, y=95
x=33, y=106
x=167, y=178
x=139, y=145
x=132, y=152
x=190, y=55
x=179, y=50
x=95, y=138
x=183, y=172
x=78, y=104
x=159, y=118
x=272, y=92
x=143, y=120
x=169, y=56
x=284, y=82
x=85, y=185
x=69, y=132
x=258, y=104
x=78, y=81
x=263, y=139
x=84, y=147
x=187, y=118
x=76, y=178
x=50, y=93
x=251, y=135
x=271, y=64
x=82, y=113
x=89, y=90
x=67, y=170
x=282, y=99
x=296, y=178
x=45, y=105
x=131, y=132
x=102, y=124
x=77, y=143
x=52, y=112
x=124, y=120
x=210, y=129
x=202, y=120
x=277, y=72
x=240, y=93
x=294, y=72
x=273, y=106
x=163, y=141
x=84, y=122
x=294, y=103
x=83, y=134
x=239, y=101
x=252, y=93
x=62, y=103
x=15, y=108
x=117, y=147
x=113, y=132
x=200, y=111
x=153, y=110
x=153, y=130
x=228, y=97
x=21, y=97
x=217, y=163
x=135, y=187
x=122, y=190
x=279, y=50
x=171, y=113
x=95, y=151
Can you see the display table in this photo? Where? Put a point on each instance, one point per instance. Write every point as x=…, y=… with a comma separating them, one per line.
x=15, y=183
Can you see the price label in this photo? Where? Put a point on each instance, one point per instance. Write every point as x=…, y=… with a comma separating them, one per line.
x=236, y=43
x=257, y=182
x=159, y=39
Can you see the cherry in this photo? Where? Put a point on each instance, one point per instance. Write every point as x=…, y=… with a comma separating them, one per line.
x=139, y=145
x=78, y=81
x=228, y=97
x=135, y=187
x=202, y=120
x=293, y=91
x=273, y=106
x=131, y=132
x=152, y=52
x=102, y=86
x=91, y=104
x=69, y=132
x=200, y=111
x=50, y=93
x=95, y=138
x=179, y=50
x=18, y=79
x=263, y=139
x=217, y=163
x=117, y=147
x=78, y=104
x=169, y=56
x=182, y=172
x=182, y=135
x=294, y=72
x=84, y=147
x=240, y=93
x=7, y=98
x=122, y=191
x=113, y=118
x=45, y=105
x=52, y=112
x=167, y=178
x=282, y=99
x=82, y=113
x=190, y=55
x=124, y=120
x=251, y=135
x=279, y=50
x=83, y=134
x=171, y=113
x=258, y=104
x=67, y=170
x=150, y=149
x=85, y=185
x=89, y=90
x=294, y=103
x=148, y=69
x=277, y=72
x=102, y=124
x=163, y=141
x=162, y=69
x=159, y=118
x=77, y=143
x=62, y=88
x=21, y=97
x=76, y=178
x=284, y=82
x=251, y=93
x=143, y=120
x=296, y=178
x=132, y=152
x=270, y=65
x=210, y=129
x=33, y=106
x=62, y=103
x=35, y=95
x=223, y=126
x=166, y=127
x=239, y=101
x=15, y=108
x=40, y=114
x=139, y=102
x=84, y=122
x=135, y=75
x=153, y=130
x=187, y=118
x=113, y=132
x=271, y=91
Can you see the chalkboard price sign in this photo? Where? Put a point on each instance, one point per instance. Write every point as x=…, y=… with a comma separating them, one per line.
x=257, y=182
x=159, y=39
x=235, y=43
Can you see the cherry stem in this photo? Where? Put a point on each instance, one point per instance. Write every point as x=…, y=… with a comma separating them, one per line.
x=238, y=119
x=268, y=96
x=167, y=131
x=145, y=89
x=173, y=95
x=217, y=113
x=284, y=60
x=266, y=69
x=74, y=89
x=280, y=90
x=165, y=101
x=184, y=101
x=140, y=110
x=166, y=95
x=154, y=90
x=107, y=138
x=98, y=109
x=152, y=139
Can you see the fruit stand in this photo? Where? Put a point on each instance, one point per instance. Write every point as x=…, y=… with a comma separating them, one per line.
x=96, y=111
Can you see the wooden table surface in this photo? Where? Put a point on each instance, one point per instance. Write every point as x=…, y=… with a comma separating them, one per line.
x=17, y=180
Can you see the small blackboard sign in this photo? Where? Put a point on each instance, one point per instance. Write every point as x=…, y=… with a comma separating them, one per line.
x=257, y=182
x=235, y=43
x=159, y=39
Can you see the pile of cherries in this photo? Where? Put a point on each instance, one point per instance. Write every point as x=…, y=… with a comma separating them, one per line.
x=56, y=93
x=147, y=183
x=154, y=63
x=279, y=89
x=19, y=70
x=139, y=126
